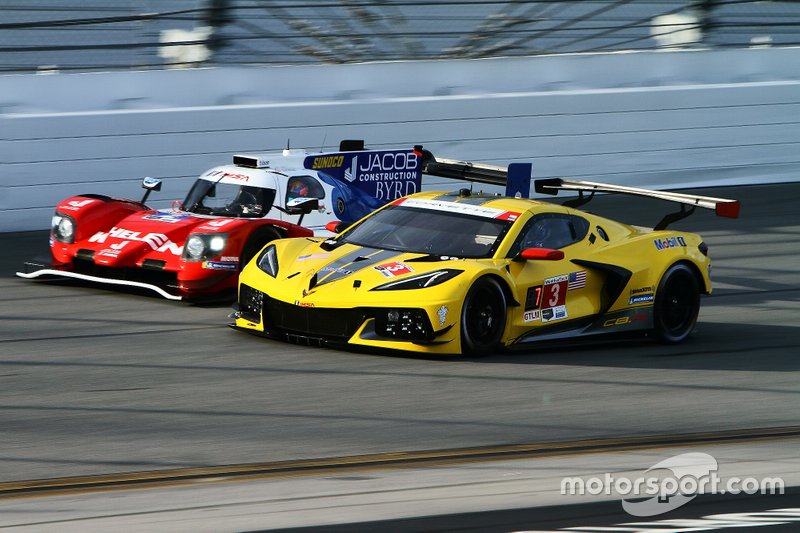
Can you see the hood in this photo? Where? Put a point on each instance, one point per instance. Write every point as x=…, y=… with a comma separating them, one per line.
x=317, y=268
x=156, y=235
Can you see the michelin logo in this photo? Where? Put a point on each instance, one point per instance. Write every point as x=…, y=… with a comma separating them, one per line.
x=641, y=299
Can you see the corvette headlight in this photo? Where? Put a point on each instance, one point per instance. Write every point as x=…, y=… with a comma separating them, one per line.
x=268, y=261
x=63, y=228
x=202, y=246
x=422, y=281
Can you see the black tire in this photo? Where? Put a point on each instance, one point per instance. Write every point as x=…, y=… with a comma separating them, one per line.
x=677, y=304
x=483, y=317
x=256, y=242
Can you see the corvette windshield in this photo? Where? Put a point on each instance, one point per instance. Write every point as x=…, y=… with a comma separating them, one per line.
x=229, y=200
x=407, y=229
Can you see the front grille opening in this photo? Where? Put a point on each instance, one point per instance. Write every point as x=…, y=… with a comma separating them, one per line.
x=406, y=324
x=85, y=254
x=154, y=264
x=314, y=321
x=251, y=301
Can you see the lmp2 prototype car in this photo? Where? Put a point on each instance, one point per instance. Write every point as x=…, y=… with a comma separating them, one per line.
x=197, y=248
x=462, y=273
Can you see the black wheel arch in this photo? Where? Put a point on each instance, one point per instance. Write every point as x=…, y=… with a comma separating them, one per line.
x=701, y=282
x=257, y=239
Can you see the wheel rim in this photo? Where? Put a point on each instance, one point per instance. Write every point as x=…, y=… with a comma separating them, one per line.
x=678, y=305
x=483, y=311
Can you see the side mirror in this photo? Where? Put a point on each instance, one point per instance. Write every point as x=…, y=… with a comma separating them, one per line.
x=541, y=254
x=150, y=185
x=302, y=206
x=337, y=226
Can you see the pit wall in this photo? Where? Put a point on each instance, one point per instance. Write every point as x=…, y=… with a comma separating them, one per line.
x=652, y=119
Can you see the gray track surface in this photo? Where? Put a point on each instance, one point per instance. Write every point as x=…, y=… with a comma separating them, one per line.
x=98, y=381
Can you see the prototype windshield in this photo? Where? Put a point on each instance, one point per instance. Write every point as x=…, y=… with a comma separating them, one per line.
x=228, y=200
x=407, y=229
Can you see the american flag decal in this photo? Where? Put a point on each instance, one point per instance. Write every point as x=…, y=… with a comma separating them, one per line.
x=577, y=280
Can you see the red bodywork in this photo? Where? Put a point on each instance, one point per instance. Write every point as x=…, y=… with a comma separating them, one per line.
x=125, y=240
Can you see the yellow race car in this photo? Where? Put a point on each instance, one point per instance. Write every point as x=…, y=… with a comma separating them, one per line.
x=457, y=273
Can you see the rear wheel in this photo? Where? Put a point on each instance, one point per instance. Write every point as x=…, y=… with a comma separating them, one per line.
x=483, y=317
x=677, y=304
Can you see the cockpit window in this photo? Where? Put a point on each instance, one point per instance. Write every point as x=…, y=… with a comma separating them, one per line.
x=303, y=187
x=550, y=230
x=228, y=200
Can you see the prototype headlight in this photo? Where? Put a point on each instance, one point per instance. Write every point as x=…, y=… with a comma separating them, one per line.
x=268, y=261
x=63, y=228
x=423, y=281
x=202, y=246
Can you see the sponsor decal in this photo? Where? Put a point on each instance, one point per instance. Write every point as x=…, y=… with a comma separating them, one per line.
x=509, y=215
x=641, y=299
x=577, y=280
x=391, y=270
x=336, y=269
x=156, y=241
x=220, y=265
x=442, y=313
x=75, y=205
x=383, y=175
x=303, y=304
x=229, y=258
x=114, y=249
x=669, y=242
x=312, y=256
x=454, y=207
x=328, y=161
x=557, y=279
x=166, y=216
x=221, y=174
x=641, y=290
x=213, y=224
x=554, y=313
x=531, y=316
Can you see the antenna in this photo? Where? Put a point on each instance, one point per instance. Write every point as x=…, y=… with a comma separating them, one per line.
x=287, y=143
x=324, y=138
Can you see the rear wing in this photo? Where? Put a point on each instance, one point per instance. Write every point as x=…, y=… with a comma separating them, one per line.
x=517, y=180
x=723, y=207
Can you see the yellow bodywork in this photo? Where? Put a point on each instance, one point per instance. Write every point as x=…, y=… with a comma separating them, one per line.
x=634, y=250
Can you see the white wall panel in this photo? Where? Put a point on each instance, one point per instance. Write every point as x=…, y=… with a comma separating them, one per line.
x=652, y=119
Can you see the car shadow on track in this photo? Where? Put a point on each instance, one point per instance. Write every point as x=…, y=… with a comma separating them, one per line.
x=713, y=346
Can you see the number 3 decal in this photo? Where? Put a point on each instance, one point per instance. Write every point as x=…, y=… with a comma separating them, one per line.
x=554, y=293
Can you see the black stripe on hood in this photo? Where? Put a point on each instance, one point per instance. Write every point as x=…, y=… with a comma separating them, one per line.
x=353, y=262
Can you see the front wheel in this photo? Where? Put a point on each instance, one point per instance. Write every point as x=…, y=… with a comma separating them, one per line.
x=255, y=243
x=483, y=317
x=677, y=304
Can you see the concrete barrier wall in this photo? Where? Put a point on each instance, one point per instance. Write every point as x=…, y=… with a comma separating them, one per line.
x=652, y=119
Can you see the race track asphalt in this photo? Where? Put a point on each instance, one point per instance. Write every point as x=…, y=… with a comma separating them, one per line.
x=98, y=381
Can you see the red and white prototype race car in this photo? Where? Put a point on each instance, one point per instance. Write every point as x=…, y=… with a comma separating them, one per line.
x=197, y=248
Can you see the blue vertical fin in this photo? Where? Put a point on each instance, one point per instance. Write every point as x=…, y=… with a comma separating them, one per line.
x=519, y=180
